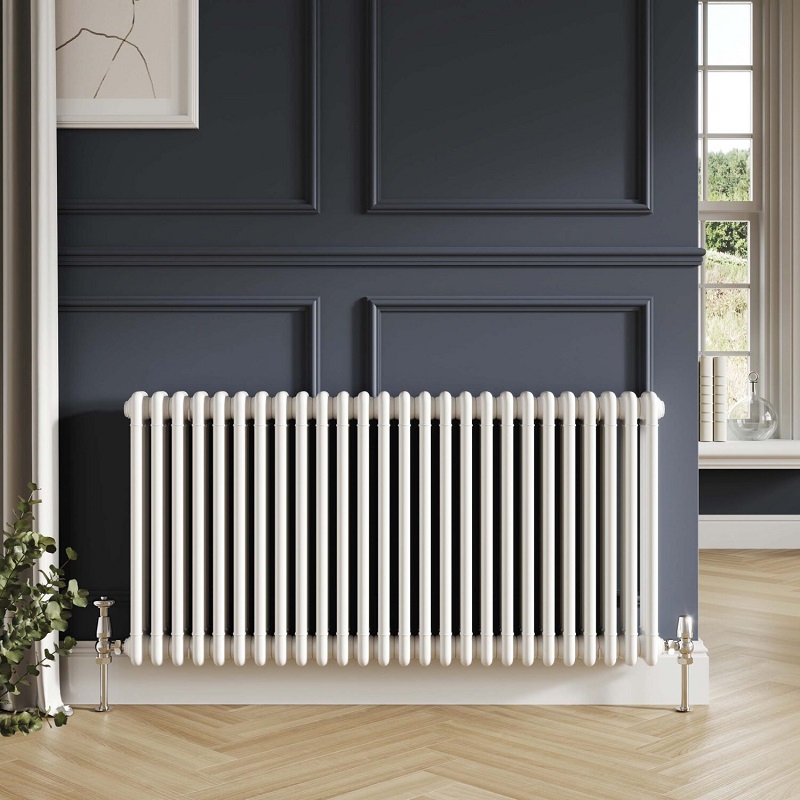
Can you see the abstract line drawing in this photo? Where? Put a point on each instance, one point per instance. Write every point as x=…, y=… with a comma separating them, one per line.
x=127, y=63
x=122, y=42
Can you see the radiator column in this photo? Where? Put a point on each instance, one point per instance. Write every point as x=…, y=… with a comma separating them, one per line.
x=220, y=526
x=425, y=577
x=301, y=528
x=384, y=522
x=445, y=528
x=321, y=406
x=608, y=414
x=506, y=408
x=157, y=525
x=343, y=528
x=240, y=527
x=629, y=408
x=588, y=414
x=362, y=417
x=138, y=515
x=260, y=514
x=568, y=556
x=528, y=541
x=404, y=525
x=178, y=415
x=650, y=409
x=199, y=528
x=465, y=520
x=547, y=407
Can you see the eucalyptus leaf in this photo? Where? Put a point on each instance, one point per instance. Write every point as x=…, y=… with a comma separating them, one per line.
x=30, y=609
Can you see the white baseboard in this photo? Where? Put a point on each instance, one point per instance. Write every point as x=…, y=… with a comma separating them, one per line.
x=749, y=531
x=393, y=685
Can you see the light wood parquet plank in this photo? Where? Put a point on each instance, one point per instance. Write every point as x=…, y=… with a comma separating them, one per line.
x=745, y=746
x=298, y=756
x=277, y=776
x=460, y=791
x=406, y=787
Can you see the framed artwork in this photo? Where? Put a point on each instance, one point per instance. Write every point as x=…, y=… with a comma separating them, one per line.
x=127, y=63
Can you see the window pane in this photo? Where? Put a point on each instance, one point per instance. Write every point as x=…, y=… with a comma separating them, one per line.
x=727, y=320
x=730, y=34
x=727, y=252
x=730, y=102
x=738, y=386
x=729, y=169
x=700, y=169
x=700, y=102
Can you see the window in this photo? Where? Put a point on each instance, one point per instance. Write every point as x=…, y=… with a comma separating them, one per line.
x=729, y=187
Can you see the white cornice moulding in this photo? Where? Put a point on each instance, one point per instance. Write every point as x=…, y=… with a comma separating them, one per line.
x=749, y=532
x=770, y=454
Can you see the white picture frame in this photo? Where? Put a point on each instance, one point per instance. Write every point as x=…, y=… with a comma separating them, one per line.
x=111, y=55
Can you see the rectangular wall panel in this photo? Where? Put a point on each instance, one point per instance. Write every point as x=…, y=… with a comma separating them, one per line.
x=108, y=343
x=496, y=137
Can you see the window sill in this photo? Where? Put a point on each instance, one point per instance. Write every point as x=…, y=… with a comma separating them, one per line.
x=769, y=454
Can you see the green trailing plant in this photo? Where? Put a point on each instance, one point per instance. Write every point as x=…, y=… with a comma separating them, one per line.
x=34, y=602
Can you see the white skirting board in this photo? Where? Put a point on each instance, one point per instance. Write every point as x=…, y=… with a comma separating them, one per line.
x=391, y=685
x=749, y=532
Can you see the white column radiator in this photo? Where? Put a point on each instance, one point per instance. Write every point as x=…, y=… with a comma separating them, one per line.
x=454, y=528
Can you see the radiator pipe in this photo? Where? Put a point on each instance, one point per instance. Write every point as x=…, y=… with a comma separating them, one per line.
x=683, y=646
x=105, y=648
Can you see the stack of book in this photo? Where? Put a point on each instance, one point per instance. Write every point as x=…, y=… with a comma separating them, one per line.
x=713, y=399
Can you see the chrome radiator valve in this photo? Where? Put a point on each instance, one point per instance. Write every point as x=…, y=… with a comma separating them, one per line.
x=106, y=649
x=684, y=647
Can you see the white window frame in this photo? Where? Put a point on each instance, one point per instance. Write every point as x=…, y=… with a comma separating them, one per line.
x=775, y=289
x=737, y=211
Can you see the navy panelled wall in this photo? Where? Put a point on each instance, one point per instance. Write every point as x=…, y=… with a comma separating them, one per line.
x=390, y=194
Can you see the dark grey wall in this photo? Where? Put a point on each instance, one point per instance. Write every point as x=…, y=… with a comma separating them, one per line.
x=757, y=491
x=507, y=186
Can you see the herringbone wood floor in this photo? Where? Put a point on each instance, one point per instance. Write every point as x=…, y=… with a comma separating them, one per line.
x=745, y=746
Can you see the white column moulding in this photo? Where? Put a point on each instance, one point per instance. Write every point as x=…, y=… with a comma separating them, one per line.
x=44, y=292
